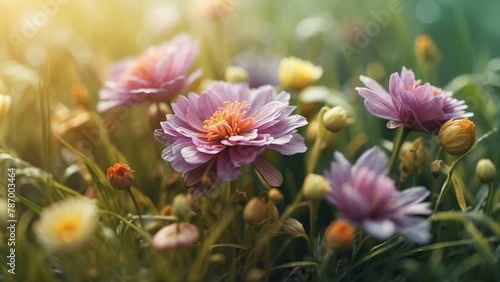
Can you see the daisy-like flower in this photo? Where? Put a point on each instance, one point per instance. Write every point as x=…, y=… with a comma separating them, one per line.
x=157, y=75
x=175, y=235
x=210, y=136
x=409, y=103
x=67, y=225
x=368, y=198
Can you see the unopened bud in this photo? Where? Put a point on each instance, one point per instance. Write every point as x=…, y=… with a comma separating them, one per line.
x=457, y=136
x=120, y=176
x=335, y=119
x=255, y=211
x=315, y=187
x=275, y=195
x=436, y=168
x=181, y=207
x=293, y=228
x=340, y=234
x=485, y=170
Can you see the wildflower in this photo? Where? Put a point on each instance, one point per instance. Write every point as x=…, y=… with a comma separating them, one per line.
x=409, y=103
x=175, y=235
x=5, y=102
x=210, y=136
x=315, y=187
x=340, y=234
x=157, y=75
x=335, y=119
x=67, y=225
x=120, y=176
x=297, y=74
x=485, y=170
x=457, y=136
x=368, y=198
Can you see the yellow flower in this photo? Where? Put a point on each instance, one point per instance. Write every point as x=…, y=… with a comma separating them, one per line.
x=235, y=74
x=340, y=234
x=5, y=102
x=457, y=136
x=297, y=74
x=67, y=225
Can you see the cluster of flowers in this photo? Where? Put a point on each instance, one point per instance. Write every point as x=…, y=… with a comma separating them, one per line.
x=210, y=136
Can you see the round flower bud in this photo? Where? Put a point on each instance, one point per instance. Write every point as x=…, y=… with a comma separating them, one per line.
x=335, y=119
x=181, y=206
x=315, y=187
x=436, y=168
x=255, y=274
x=275, y=195
x=485, y=170
x=340, y=234
x=457, y=136
x=120, y=176
x=255, y=211
x=235, y=74
x=297, y=74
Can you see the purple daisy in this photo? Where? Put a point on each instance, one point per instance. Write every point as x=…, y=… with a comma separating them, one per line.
x=409, y=103
x=367, y=197
x=227, y=126
x=157, y=75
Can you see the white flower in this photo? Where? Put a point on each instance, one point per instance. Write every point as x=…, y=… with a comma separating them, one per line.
x=67, y=225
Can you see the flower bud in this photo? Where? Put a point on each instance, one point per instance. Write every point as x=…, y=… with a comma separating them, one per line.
x=297, y=74
x=457, y=136
x=275, y=195
x=255, y=211
x=426, y=51
x=5, y=102
x=255, y=274
x=315, y=187
x=120, y=176
x=436, y=168
x=293, y=228
x=181, y=206
x=485, y=170
x=335, y=119
x=340, y=234
x=235, y=74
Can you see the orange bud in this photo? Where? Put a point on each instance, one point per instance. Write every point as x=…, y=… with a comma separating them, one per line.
x=340, y=234
x=120, y=176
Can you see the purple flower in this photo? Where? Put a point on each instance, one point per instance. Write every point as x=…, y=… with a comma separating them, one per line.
x=158, y=74
x=409, y=103
x=227, y=126
x=367, y=197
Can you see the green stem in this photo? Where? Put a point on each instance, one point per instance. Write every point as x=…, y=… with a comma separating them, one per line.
x=490, y=199
x=144, y=234
x=139, y=213
x=318, y=143
x=313, y=220
x=399, y=138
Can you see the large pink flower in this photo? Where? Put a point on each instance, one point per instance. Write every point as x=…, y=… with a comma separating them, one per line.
x=367, y=197
x=157, y=75
x=409, y=103
x=227, y=126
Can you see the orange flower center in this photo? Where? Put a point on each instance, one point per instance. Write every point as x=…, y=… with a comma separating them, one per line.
x=67, y=227
x=228, y=121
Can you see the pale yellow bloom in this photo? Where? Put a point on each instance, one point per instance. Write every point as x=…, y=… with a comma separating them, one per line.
x=486, y=170
x=235, y=74
x=67, y=225
x=297, y=74
x=457, y=136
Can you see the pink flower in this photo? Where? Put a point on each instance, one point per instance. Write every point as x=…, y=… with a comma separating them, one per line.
x=159, y=74
x=210, y=136
x=367, y=197
x=175, y=235
x=409, y=103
